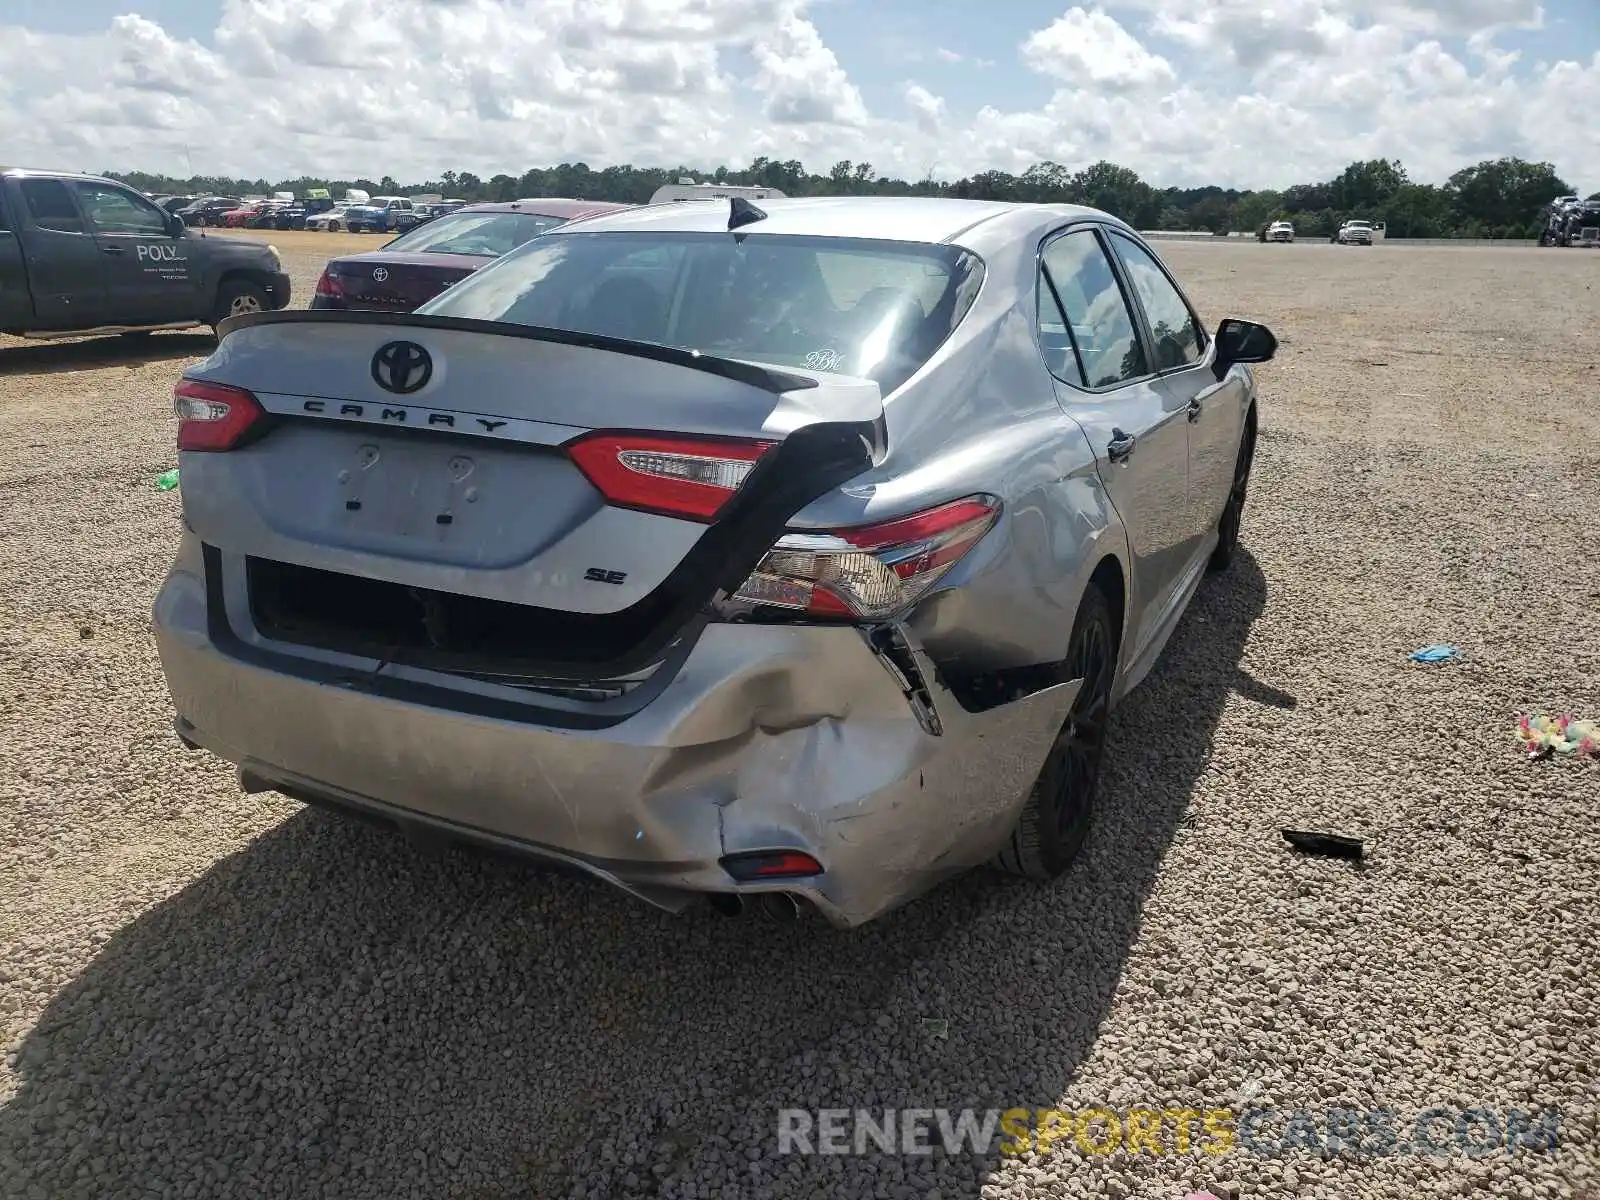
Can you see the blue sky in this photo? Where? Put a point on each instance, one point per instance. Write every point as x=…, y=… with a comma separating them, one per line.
x=1232, y=91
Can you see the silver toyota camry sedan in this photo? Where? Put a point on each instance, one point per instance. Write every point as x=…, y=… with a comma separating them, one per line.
x=787, y=556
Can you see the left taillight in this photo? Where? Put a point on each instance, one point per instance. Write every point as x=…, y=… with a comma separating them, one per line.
x=676, y=476
x=214, y=416
x=868, y=572
x=329, y=286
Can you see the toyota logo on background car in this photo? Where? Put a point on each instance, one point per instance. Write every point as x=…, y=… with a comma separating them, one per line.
x=402, y=367
x=381, y=274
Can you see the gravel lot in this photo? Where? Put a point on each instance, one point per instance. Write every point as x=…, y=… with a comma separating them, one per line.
x=199, y=986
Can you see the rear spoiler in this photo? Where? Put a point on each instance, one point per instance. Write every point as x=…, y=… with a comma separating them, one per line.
x=768, y=379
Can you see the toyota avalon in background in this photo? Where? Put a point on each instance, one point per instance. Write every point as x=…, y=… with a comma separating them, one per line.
x=419, y=264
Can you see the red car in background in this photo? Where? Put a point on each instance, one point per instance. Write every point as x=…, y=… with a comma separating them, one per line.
x=235, y=218
x=420, y=263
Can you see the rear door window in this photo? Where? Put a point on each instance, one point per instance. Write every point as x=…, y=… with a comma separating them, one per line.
x=50, y=205
x=1103, y=326
x=1055, y=336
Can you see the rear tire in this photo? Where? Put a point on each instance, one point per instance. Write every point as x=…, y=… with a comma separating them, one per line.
x=1054, y=823
x=1233, y=511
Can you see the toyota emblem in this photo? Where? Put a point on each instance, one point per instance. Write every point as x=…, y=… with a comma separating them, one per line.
x=402, y=367
x=381, y=274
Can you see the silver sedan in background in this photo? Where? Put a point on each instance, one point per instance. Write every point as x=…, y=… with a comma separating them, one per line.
x=791, y=555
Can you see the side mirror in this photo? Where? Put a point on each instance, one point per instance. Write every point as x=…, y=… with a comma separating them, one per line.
x=1242, y=342
x=175, y=225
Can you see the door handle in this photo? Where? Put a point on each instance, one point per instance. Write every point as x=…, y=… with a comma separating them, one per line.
x=1195, y=409
x=1120, y=448
x=114, y=249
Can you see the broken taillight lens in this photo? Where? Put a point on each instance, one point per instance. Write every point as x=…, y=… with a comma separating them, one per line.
x=869, y=572
x=676, y=476
x=213, y=416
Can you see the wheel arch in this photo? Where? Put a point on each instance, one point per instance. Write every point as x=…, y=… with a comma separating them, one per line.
x=1108, y=576
x=253, y=275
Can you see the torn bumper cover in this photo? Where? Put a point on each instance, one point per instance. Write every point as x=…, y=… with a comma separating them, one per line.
x=768, y=738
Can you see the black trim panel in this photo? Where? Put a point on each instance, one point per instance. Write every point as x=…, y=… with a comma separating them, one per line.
x=375, y=683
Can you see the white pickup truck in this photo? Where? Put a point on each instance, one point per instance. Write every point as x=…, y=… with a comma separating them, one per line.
x=1357, y=233
x=1280, y=231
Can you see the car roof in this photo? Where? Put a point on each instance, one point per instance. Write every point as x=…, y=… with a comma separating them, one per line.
x=890, y=218
x=36, y=173
x=542, y=206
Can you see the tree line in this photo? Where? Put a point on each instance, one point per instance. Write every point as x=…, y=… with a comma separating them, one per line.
x=1496, y=198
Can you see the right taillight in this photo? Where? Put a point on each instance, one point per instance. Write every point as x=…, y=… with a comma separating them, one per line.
x=213, y=416
x=868, y=572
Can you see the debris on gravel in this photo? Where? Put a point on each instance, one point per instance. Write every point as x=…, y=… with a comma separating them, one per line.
x=209, y=993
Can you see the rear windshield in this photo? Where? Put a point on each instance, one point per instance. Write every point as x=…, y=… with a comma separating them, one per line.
x=877, y=309
x=488, y=234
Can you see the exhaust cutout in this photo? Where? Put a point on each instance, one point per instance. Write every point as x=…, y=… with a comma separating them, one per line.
x=780, y=906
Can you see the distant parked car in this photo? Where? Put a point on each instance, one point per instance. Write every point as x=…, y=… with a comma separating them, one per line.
x=404, y=220
x=379, y=216
x=267, y=216
x=418, y=265
x=1353, y=233
x=237, y=218
x=208, y=210
x=331, y=220
x=295, y=216
x=1280, y=231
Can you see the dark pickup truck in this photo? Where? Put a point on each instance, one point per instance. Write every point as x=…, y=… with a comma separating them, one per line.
x=81, y=255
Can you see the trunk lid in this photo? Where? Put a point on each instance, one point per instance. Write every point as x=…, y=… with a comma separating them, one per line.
x=399, y=282
x=461, y=487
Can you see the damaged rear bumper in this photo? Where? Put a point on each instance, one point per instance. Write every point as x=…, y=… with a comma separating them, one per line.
x=767, y=738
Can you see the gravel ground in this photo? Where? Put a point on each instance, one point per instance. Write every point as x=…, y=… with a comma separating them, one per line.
x=199, y=986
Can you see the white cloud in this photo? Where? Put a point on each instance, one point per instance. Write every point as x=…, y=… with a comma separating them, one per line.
x=927, y=109
x=1089, y=48
x=149, y=60
x=1236, y=92
x=801, y=78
